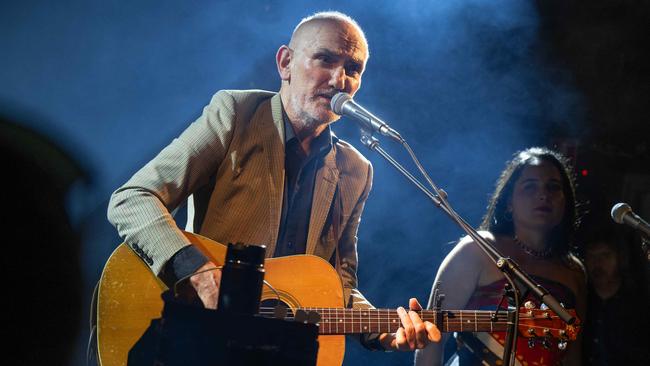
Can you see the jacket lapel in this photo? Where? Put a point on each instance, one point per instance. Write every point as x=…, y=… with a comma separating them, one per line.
x=274, y=148
x=326, y=180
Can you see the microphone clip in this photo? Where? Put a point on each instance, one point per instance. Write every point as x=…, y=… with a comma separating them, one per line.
x=367, y=139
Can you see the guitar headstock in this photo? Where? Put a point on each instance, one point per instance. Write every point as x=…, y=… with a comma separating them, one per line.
x=544, y=323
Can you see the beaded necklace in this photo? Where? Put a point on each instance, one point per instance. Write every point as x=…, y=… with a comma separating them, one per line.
x=532, y=252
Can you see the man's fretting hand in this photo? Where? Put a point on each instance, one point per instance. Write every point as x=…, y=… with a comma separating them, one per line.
x=413, y=334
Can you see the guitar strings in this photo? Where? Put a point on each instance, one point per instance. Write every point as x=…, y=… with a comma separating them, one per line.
x=384, y=319
x=376, y=311
x=394, y=316
x=357, y=321
x=449, y=321
x=468, y=315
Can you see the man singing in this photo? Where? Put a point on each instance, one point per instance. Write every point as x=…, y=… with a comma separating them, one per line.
x=264, y=168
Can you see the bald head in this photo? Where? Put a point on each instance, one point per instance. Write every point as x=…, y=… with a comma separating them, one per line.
x=309, y=27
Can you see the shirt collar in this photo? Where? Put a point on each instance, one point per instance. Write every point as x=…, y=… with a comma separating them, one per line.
x=320, y=145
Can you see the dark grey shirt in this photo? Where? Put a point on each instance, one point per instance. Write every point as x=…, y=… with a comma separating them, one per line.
x=299, y=181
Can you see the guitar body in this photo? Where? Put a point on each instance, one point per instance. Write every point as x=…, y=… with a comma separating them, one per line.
x=129, y=297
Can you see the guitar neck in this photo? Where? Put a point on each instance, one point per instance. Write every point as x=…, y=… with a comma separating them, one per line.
x=345, y=321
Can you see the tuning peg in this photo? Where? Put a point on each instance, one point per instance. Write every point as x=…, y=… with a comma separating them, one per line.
x=529, y=305
x=546, y=343
x=562, y=345
x=547, y=332
x=531, y=343
x=543, y=307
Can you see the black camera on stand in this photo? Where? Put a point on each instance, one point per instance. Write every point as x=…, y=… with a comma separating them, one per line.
x=241, y=279
x=232, y=335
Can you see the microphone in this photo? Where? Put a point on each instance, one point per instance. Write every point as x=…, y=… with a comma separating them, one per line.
x=622, y=214
x=343, y=105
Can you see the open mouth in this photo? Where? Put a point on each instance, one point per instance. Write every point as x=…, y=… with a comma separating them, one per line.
x=325, y=100
x=326, y=94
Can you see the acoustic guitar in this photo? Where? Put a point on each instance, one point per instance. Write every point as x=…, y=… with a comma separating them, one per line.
x=129, y=297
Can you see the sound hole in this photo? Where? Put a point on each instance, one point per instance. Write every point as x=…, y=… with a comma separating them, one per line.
x=274, y=308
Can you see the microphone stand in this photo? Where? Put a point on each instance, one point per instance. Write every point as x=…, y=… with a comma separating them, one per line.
x=645, y=247
x=508, y=267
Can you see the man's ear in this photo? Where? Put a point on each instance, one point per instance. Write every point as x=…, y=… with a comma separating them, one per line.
x=283, y=60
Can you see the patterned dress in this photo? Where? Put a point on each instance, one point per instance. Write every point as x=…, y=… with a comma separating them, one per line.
x=487, y=348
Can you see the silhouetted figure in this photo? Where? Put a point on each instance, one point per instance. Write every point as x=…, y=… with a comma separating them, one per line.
x=42, y=287
x=616, y=332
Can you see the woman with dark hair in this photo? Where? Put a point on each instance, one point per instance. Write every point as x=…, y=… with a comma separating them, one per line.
x=531, y=218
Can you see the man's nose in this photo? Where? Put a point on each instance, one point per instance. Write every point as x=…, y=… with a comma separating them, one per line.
x=337, y=80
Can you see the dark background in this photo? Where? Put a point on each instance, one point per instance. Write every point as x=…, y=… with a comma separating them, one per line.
x=467, y=83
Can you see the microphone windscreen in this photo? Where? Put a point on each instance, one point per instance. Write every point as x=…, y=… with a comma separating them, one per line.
x=337, y=102
x=619, y=210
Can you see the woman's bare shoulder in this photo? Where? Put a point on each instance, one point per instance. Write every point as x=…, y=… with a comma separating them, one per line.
x=468, y=249
x=467, y=240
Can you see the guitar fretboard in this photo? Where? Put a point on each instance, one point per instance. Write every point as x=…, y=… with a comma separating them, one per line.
x=344, y=321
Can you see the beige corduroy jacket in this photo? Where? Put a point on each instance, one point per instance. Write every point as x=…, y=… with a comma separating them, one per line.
x=229, y=165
